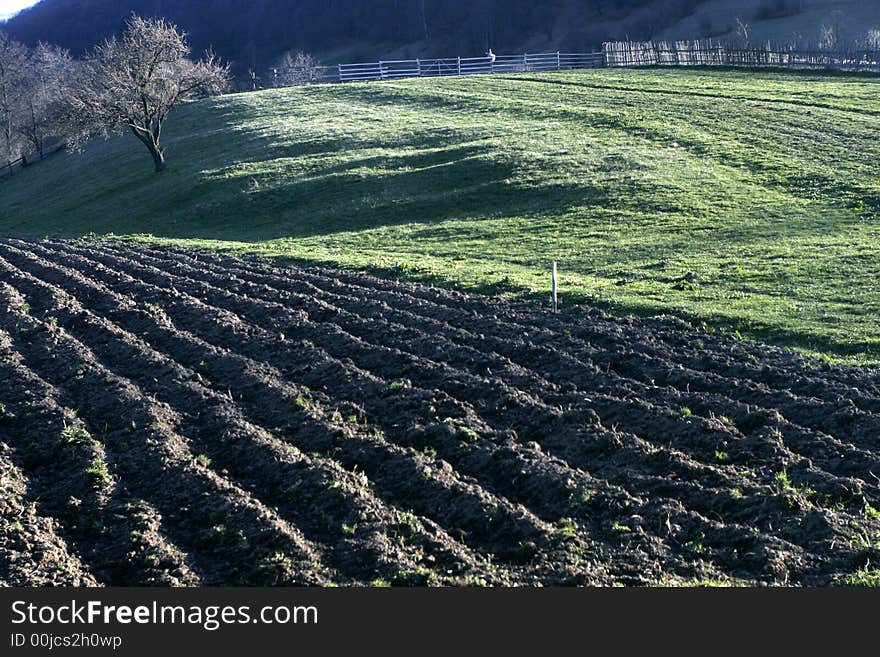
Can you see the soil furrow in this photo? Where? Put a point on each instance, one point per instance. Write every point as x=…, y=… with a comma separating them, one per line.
x=290, y=477
x=352, y=428
x=677, y=341
x=32, y=553
x=509, y=521
x=293, y=482
x=142, y=450
x=703, y=437
x=703, y=498
x=842, y=416
x=631, y=356
x=432, y=438
x=115, y=535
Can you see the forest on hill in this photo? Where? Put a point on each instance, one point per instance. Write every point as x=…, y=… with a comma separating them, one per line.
x=255, y=34
x=252, y=33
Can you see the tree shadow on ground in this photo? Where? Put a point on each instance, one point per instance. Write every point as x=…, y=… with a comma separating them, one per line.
x=276, y=186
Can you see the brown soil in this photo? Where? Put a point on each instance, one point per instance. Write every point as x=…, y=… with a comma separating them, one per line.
x=175, y=417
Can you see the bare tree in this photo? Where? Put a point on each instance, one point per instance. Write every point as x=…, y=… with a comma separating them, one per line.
x=134, y=81
x=872, y=41
x=828, y=38
x=831, y=33
x=13, y=62
x=425, y=21
x=743, y=32
x=49, y=71
x=295, y=69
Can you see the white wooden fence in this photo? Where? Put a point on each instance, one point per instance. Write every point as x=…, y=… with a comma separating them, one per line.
x=450, y=66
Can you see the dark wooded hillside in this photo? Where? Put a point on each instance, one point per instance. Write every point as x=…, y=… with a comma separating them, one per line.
x=255, y=32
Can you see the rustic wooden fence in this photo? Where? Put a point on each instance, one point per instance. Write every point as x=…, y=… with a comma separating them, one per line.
x=709, y=53
x=11, y=167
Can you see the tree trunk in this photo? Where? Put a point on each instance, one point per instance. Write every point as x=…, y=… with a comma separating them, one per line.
x=152, y=144
x=425, y=22
x=158, y=159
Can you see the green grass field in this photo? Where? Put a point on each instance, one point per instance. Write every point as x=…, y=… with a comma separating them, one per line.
x=762, y=184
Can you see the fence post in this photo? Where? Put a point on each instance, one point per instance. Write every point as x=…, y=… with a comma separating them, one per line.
x=558, y=61
x=555, y=291
x=459, y=65
x=340, y=72
x=419, y=65
x=525, y=62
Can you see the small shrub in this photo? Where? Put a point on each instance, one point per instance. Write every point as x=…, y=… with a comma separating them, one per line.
x=865, y=577
x=400, y=384
x=100, y=472
x=72, y=435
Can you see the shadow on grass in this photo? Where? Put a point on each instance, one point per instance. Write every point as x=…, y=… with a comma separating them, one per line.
x=267, y=198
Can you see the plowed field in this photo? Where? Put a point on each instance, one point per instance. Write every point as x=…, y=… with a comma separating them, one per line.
x=180, y=417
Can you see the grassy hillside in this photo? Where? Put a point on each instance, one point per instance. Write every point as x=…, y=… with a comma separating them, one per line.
x=748, y=200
